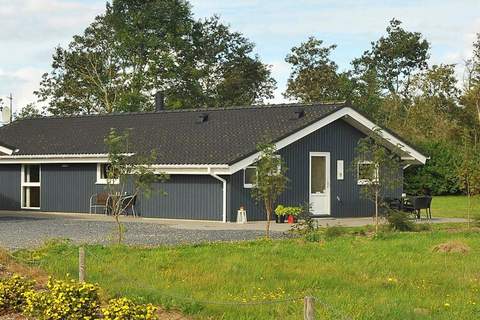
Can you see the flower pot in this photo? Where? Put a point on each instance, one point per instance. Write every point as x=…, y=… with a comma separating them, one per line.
x=282, y=219
x=291, y=219
x=279, y=219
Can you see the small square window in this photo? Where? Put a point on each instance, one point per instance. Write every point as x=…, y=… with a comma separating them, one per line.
x=249, y=176
x=103, y=171
x=367, y=172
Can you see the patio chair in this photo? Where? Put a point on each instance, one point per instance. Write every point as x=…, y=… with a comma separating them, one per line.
x=416, y=204
x=129, y=202
x=98, y=200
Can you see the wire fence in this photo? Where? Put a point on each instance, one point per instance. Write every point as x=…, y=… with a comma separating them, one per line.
x=37, y=261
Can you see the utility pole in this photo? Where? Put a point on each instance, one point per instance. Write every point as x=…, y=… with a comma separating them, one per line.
x=10, y=97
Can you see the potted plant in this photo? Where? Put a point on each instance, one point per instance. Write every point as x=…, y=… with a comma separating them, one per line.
x=293, y=213
x=280, y=214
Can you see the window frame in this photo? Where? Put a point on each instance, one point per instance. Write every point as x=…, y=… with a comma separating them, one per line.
x=100, y=179
x=24, y=184
x=251, y=185
x=245, y=184
x=363, y=182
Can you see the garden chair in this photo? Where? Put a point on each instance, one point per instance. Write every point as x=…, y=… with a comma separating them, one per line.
x=98, y=200
x=417, y=204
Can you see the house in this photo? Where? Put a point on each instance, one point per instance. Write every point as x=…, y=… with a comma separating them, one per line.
x=56, y=163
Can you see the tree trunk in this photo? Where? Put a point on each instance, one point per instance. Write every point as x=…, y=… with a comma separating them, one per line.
x=268, y=209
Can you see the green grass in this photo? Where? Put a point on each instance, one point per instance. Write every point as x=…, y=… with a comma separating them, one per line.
x=391, y=277
x=453, y=206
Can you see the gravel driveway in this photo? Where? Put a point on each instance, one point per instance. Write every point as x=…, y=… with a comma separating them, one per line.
x=25, y=230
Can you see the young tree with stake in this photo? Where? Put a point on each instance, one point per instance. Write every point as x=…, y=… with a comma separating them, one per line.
x=377, y=170
x=270, y=180
x=125, y=170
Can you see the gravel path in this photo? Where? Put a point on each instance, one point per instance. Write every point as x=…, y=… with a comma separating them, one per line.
x=26, y=231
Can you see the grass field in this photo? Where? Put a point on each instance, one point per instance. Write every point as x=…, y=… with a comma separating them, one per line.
x=396, y=276
x=453, y=206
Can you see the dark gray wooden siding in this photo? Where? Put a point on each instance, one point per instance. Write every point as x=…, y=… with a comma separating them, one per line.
x=68, y=188
x=10, y=187
x=340, y=139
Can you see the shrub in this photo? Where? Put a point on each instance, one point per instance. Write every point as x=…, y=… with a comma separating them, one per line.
x=333, y=232
x=126, y=309
x=287, y=211
x=423, y=227
x=400, y=221
x=63, y=300
x=12, y=293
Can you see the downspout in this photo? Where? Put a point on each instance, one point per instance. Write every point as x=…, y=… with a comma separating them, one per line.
x=224, y=193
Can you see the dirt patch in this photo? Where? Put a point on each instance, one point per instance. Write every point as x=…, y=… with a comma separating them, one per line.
x=452, y=247
x=13, y=317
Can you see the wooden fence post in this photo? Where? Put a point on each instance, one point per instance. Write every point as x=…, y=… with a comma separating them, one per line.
x=81, y=264
x=309, y=308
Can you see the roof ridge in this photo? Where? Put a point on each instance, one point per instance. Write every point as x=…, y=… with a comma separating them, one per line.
x=259, y=106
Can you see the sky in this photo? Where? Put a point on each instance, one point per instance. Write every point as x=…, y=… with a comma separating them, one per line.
x=30, y=30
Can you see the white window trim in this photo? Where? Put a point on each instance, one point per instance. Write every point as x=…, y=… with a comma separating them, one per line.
x=363, y=182
x=24, y=184
x=251, y=185
x=248, y=185
x=101, y=180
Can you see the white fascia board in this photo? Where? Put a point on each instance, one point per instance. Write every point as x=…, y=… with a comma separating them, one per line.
x=346, y=111
x=6, y=150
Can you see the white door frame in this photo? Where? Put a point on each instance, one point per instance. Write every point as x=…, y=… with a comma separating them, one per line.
x=327, y=172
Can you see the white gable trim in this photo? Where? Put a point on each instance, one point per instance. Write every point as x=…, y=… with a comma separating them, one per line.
x=344, y=112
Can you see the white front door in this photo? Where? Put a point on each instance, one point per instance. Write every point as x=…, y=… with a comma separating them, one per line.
x=320, y=182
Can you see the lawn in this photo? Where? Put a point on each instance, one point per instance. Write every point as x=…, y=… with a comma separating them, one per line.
x=396, y=276
x=453, y=206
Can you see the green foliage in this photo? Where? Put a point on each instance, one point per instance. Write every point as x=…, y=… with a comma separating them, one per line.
x=126, y=309
x=400, y=221
x=270, y=179
x=138, y=47
x=13, y=293
x=281, y=210
x=29, y=111
x=395, y=57
x=314, y=75
x=438, y=174
x=63, y=300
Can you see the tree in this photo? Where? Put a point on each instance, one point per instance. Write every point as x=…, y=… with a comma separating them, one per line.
x=314, y=75
x=139, y=47
x=468, y=170
x=127, y=171
x=471, y=96
x=377, y=168
x=29, y=111
x=395, y=58
x=270, y=180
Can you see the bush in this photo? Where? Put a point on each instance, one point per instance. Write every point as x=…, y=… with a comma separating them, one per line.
x=334, y=231
x=400, y=221
x=126, y=309
x=12, y=293
x=63, y=300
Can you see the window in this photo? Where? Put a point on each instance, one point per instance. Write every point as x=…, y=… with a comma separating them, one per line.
x=103, y=173
x=367, y=172
x=249, y=176
x=30, y=186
